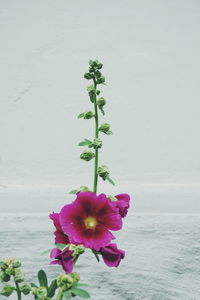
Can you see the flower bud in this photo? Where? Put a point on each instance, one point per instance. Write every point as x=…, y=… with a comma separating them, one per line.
x=10, y=271
x=25, y=289
x=87, y=155
x=98, y=92
x=103, y=172
x=4, y=277
x=88, y=115
x=65, y=281
x=105, y=128
x=19, y=276
x=88, y=76
x=97, y=74
x=97, y=143
x=16, y=263
x=7, y=290
x=101, y=102
x=99, y=66
x=75, y=276
x=40, y=293
x=3, y=264
x=101, y=80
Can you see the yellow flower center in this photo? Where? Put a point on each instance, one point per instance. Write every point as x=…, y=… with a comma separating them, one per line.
x=90, y=222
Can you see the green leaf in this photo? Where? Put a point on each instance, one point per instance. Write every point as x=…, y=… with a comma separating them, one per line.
x=34, y=285
x=109, y=132
x=86, y=142
x=45, y=252
x=67, y=294
x=42, y=278
x=79, y=292
x=73, y=192
x=81, y=115
x=52, y=288
x=60, y=246
x=110, y=180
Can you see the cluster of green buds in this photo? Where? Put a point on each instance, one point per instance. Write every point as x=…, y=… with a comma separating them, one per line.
x=11, y=268
x=40, y=293
x=95, y=75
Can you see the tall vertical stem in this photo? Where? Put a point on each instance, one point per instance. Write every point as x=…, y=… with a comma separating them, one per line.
x=96, y=136
x=18, y=291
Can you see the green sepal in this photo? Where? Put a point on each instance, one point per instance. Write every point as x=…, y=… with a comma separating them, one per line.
x=102, y=111
x=85, y=143
x=96, y=255
x=110, y=180
x=73, y=192
x=80, y=292
x=60, y=246
x=81, y=115
x=45, y=252
x=52, y=288
x=42, y=278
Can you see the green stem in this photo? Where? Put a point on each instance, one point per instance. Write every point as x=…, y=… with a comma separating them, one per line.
x=60, y=295
x=19, y=295
x=96, y=136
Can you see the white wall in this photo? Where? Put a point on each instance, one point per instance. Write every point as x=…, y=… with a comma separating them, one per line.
x=150, y=51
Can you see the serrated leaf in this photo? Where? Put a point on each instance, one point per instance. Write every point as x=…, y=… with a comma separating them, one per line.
x=73, y=192
x=46, y=251
x=67, y=294
x=110, y=180
x=34, y=285
x=52, y=288
x=60, y=246
x=80, y=292
x=81, y=115
x=42, y=278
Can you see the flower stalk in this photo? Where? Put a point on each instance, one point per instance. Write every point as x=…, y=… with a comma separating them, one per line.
x=96, y=137
x=19, y=294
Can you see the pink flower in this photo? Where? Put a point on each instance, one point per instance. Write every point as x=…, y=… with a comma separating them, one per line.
x=88, y=219
x=111, y=255
x=60, y=236
x=63, y=258
x=123, y=204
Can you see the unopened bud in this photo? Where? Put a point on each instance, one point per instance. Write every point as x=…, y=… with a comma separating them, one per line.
x=16, y=263
x=4, y=277
x=3, y=264
x=101, y=102
x=65, y=281
x=77, y=250
x=41, y=293
x=7, y=290
x=87, y=155
x=19, y=276
x=97, y=143
x=25, y=289
x=101, y=80
x=103, y=172
x=99, y=66
x=105, y=128
x=88, y=115
x=75, y=276
x=88, y=76
x=10, y=271
x=97, y=74
x=98, y=92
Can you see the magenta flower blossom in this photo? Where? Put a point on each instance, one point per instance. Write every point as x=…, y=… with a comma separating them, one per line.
x=60, y=236
x=63, y=258
x=112, y=255
x=123, y=204
x=88, y=219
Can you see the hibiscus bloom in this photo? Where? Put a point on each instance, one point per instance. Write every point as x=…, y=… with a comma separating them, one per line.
x=112, y=255
x=123, y=204
x=63, y=258
x=88, y=219
x=60, y=236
